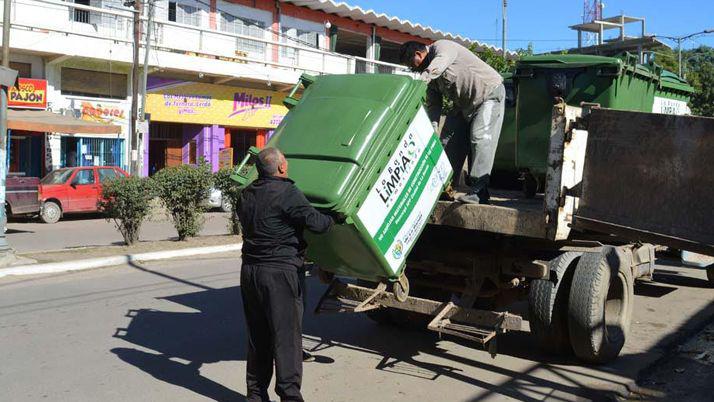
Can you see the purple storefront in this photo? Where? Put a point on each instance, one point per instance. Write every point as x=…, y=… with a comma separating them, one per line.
x=192, y=121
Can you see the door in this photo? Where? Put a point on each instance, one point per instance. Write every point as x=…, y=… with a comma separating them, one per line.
x=157, y=156
x=83, y=191
x=647, y=177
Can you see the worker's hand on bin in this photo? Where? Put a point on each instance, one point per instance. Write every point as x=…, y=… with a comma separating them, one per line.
x=339, y=217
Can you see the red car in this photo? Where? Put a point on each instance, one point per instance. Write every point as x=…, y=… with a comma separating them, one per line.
x=74, y=190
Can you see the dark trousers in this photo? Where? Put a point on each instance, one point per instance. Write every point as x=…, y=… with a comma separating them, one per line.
x=272, y=301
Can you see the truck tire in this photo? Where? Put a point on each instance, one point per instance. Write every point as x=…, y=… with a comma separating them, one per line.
x=51, y=212
x=600, y=305
x=710, y=275
x=548, y=305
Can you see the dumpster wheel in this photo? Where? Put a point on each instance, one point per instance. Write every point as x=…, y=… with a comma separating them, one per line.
x=401, y=288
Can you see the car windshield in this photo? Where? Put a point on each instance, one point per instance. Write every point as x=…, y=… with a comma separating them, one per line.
x=58, y=176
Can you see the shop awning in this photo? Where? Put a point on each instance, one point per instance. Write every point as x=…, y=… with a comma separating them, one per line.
x=46, y=121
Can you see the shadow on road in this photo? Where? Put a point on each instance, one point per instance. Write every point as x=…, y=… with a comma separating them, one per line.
x=183, y=375
x=214, y=330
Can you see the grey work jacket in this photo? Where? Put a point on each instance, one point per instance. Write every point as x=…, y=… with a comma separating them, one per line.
x=455, y=72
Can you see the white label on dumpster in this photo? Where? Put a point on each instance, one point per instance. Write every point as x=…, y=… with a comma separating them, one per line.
x=399, y=204
x=670, y=106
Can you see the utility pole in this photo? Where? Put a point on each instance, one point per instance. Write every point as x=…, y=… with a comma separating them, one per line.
x=134, y=165
x=7, y=78
x=680, y=39
x=6, y=34
x=505, y=22
x=149, y=22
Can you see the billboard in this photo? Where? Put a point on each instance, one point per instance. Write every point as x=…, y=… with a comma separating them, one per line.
x=207, y=104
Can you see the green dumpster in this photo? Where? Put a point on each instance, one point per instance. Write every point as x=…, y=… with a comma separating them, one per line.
x=363, y=146
x=672, y=95
x=613, y=82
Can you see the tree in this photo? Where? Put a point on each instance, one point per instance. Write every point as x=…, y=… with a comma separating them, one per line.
x=699, y=71
x=183, y=189
x=230, y=192
x=495, y=59
x=127, y=201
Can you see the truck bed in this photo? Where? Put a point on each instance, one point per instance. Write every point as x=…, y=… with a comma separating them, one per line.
x=510, y=213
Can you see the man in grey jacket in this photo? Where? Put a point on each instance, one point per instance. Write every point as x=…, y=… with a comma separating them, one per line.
x=478, y=95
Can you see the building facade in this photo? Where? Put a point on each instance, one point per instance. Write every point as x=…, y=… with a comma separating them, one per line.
x=217, y=70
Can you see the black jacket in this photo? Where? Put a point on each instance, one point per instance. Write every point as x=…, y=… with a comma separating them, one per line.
x=274, y=213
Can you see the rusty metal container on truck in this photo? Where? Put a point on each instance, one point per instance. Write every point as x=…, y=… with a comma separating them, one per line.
x=363, y=147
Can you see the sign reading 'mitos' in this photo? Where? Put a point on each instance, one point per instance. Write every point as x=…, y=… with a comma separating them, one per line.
x=28, y=94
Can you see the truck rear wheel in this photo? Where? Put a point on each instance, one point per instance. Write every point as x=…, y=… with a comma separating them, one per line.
x=548, y=305
x=600, y=305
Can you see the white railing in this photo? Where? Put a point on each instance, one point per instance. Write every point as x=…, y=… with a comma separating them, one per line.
x=116, y=25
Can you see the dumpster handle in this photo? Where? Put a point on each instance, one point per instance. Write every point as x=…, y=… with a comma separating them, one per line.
x=239, y=174
x=306, y=79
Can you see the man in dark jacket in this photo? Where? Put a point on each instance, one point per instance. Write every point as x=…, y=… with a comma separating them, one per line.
x=477, y=92
x=274, y=213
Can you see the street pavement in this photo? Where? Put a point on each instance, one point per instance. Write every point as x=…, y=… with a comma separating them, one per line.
x=92, y=230
x=174, y=331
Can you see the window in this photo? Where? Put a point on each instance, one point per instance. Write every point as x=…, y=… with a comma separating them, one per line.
x=24, y=70
x=81, y=15
x=192, y=153
x=184, y=14
x=298, y=37
x=84, y=177
x=245, y=26
x=172, y=11
x=59, y=176
x=93, y=83
x=107, y=174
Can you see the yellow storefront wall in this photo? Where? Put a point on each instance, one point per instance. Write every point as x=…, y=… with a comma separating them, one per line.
x=207, y=104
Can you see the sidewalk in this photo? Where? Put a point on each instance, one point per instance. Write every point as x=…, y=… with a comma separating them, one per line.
x=82, y=258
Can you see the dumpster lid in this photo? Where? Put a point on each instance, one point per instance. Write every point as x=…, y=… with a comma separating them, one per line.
x=672, y=81
x=568, y=61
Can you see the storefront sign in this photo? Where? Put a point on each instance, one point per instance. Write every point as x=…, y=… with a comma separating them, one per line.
x=105, y=113
x=28, y=94
x=198, y=103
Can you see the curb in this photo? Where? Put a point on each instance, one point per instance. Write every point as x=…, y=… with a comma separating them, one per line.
x=79, y=265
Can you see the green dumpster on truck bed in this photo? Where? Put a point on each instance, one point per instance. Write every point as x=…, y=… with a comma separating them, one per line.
x=613, y=82
x=363, y=146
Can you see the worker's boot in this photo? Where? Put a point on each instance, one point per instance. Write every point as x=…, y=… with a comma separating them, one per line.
x=449, y=194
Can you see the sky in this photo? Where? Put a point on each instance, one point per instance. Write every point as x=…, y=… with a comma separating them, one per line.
x=545, y=23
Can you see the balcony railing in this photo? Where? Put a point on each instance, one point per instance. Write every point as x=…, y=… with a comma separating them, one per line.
x=116, y=25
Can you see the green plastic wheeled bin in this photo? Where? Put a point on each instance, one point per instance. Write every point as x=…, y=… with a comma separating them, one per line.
x=613, y=82
x=362, y=146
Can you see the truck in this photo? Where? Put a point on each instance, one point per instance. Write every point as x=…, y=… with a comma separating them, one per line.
x=618, y=185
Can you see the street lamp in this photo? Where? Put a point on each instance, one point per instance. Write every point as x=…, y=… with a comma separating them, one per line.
x=680, y=39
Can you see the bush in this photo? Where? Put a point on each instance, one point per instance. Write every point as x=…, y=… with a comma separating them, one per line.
x=126, y=201
x=231, y=193
x=182, y=189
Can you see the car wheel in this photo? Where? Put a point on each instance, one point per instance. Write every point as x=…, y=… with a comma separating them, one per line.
x=51, y=212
